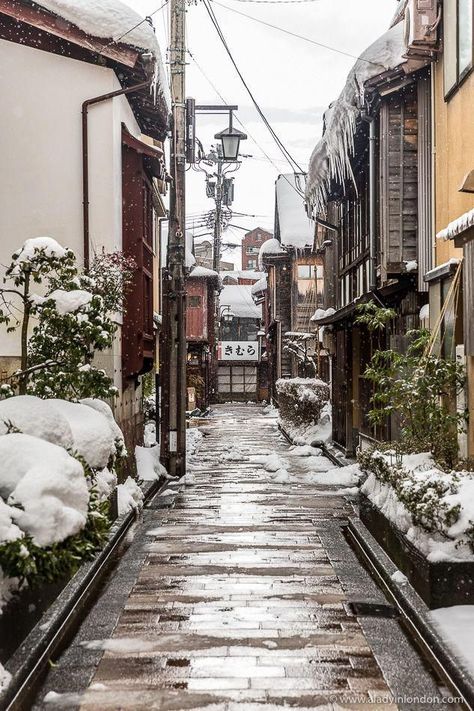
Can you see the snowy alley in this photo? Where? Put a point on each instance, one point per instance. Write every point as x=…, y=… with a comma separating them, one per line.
x=236, y=589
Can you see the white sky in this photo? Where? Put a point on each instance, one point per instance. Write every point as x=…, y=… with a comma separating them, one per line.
x=292, y=80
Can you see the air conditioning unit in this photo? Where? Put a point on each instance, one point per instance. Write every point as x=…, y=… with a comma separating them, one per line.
x=421, y=22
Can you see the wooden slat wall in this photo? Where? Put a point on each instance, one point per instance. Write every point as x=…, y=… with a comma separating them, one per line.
x=399, y=181
x=425, y=196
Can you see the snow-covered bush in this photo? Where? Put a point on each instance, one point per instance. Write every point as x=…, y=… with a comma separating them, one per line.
x=420, y=499
x=57, y=472
x=73, y=318
x=301, y=400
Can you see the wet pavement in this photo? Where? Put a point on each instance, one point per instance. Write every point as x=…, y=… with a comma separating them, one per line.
x=234, y=594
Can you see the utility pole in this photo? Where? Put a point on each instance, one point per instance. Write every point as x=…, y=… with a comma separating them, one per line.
x=173, y=439
x=218, y=215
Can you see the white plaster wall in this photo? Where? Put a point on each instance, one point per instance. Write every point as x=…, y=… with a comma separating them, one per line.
x=41, y=154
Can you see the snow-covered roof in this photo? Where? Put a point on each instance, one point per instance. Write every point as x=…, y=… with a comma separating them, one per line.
x=294, y=226
x=260, y=285
x=112, y=19
x=331, y=156
x=239, y=298
x=271, y=246
x=203, y=273
x=243, y=274
x=458, y=226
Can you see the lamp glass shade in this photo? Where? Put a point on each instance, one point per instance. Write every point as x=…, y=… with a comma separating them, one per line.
x=230, y=139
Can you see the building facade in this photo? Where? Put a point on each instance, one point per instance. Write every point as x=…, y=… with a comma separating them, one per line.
x=251, y=244
x=75, y=179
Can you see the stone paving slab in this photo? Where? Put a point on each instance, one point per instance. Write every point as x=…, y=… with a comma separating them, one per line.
x=232, y=595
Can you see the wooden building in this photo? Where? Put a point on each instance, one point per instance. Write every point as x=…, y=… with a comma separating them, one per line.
x=201, y=293
x=369, y=187
x=83, y=124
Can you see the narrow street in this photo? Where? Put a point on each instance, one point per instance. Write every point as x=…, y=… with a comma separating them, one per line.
x=234, y=593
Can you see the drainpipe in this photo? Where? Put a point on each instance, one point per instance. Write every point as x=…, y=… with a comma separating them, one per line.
x=372, y=204
x=85, y=155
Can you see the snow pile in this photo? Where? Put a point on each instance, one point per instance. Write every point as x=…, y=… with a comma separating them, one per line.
x=425, y=312
x=411, y=265
x=193, y=440
x=339, y=476
x=311, y=434
x=5, y=679
x=433, y=508
x=149, y=467
x=111, y=19
x=34, y=416
x=319, y=314
x=94, y=439
x=45, y=486
x=270, y=247
x=239, y=298
x=455, y=624
x=295, y=228
x=456, y=227
x=46, y=246
x=331, y=157
x=129, y=496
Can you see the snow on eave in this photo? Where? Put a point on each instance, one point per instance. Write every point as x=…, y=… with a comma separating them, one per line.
x=330, y=159
x=259, y=286
x=458, y=226
x=114, y=20
x=294, y=226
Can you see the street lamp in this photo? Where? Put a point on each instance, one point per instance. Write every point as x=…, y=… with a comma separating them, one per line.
x=225, y=313
x=230, y=139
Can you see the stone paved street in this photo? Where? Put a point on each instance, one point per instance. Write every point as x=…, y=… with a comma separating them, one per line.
x=234, y=592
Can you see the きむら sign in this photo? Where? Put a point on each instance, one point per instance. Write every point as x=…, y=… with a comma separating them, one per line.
x=238, y=350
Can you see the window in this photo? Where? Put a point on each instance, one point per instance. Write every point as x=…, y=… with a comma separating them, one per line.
x=252, y=250
x=195, y=302
x=458, y=41
x=252, y=263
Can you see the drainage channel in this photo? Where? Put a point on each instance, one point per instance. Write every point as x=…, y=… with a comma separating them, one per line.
x=409, y=613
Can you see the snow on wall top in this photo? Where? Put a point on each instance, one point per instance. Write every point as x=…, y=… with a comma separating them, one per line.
x=456, y=227
x=296, y=229
x=112, y=19
x=239, y=298
x=331, y=156
x=203, y=272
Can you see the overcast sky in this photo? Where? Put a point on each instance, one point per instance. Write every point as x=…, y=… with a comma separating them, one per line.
x=293, y=81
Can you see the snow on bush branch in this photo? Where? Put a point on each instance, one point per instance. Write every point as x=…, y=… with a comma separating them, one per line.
x=73, y=318
x=301, y=400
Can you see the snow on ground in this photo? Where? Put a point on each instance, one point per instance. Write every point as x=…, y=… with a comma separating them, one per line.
x=5, y=678
x=193, y=440
x=129, y=496
x=149, y=467
x=340, y=476
x=456, y=625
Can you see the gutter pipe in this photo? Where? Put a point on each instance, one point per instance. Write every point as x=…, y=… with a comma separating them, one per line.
x=85, y=155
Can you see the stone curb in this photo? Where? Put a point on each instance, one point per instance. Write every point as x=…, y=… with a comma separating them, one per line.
x=415, y=613
x=62, y=618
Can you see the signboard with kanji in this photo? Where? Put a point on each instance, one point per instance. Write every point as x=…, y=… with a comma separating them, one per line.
x=238, y=350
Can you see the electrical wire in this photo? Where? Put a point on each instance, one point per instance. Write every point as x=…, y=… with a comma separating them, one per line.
x=295, y=34
x=218, y=93
x=292, y=162
x=147, y=18
x=277, y=2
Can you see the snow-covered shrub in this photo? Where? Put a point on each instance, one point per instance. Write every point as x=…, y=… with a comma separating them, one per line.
x=57, y=471
x=74, y=318
x=416, y=494
x=301, y=400
x=417, y=386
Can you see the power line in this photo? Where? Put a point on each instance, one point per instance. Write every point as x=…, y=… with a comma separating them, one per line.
x=145, y=19
x=292, y=162
x=218, y=93
x=295, y=34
